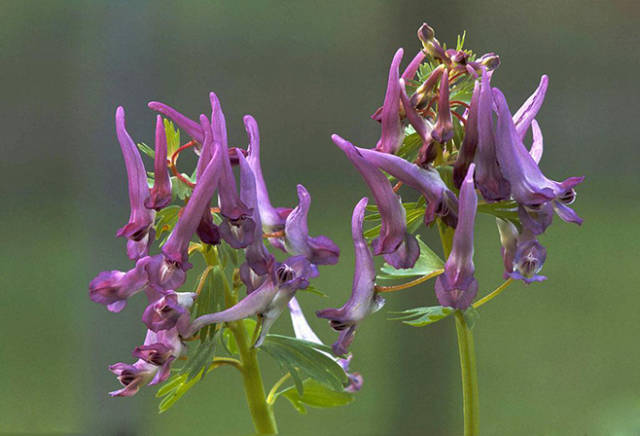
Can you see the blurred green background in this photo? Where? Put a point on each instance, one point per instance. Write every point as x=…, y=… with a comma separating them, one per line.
x=558, y=358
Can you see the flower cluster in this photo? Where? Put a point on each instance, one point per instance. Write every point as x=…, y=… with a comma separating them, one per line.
x=242, y=219
x=448, y=156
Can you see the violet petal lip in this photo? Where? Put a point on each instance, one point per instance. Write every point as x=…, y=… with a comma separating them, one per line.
x=364, y=299
x=457, y=286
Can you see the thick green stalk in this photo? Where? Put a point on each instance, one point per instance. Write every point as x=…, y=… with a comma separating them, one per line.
x=469, y=375
x=467, y=352
x=263, y=419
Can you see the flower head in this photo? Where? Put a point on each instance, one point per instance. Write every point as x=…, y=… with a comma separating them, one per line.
x=457, y=286
x=364, y=299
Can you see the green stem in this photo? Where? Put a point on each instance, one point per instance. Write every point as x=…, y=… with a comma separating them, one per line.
x=466, y=351
x=263, y=419
x=469, y=375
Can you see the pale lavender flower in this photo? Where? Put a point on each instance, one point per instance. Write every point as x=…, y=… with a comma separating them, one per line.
x=160, y=349
x=132, y=377
x=457, y=286
x=364, y=299
x=169, y=311
x=522, y=253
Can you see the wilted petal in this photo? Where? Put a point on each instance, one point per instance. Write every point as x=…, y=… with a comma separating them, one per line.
x=141, y=218
x=160, y=195
x=364, y=299
x=393, y=231
x=457, y=286
x=319, y=250
x=392, y=132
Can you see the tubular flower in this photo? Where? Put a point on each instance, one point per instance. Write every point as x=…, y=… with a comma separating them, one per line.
x=132, y=377
x=529, y=109
x=303, y=331
x=160, y=195
x=169, y=311
x=470, y=140
x=411, y=70
x=392, y=132
x=522, y=253
x=237, y=225
x=440, y=200
x=268, y=301
x=257, y=256
x=272, y=219
x=443, y=129
x=535, y=193
x=319, y=250
x=400, y=248
x=421, y=126
x=364, y=299
x=140, y=218
x=207, y=231
x=457, y=286
x=160, y=349
x=192, y=128
x=490, y=181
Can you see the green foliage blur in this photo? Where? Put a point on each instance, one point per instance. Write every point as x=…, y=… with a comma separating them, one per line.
x=557, y=358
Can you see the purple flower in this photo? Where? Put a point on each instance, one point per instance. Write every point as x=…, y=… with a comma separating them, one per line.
x=529, y=109
x=257, y=256
x=423, y=129
x=207, y=231
x=529, y=187
x=237, y=225
x=319, y=250
x=272, y=219
x=160, y=349
x=192, y=128
x=522, y=253
x=489, y=179
x=151, y=273
x=169, y=311
x=440, y=200
x=160, y=195
x=268, y=301
x=132, y=377
x=443, y=129
x=470, y=141
x=303, y=331
x=414, y=65
x=364, y=299
x=457, y=286
x=392, y=132
x=400, y=248
x=141, y=218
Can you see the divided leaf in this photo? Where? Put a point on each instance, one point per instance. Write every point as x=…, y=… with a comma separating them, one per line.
x=315, y=395
x=422, y=316
x=427, y=263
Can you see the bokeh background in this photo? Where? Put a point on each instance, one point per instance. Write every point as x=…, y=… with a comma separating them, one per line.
x=558, y=358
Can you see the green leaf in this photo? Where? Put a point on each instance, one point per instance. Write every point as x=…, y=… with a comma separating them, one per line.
x=173, y=137
x=305, y=359
x=316, y=395
x=313, y=290
x=179, y=386
x=427, y=263
x=410, y=146
x=179, y=189
x=166, y=219
x=230, y=341
x=422, y=316
x=146, y=149
x=201, y=359
x=503, y=209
